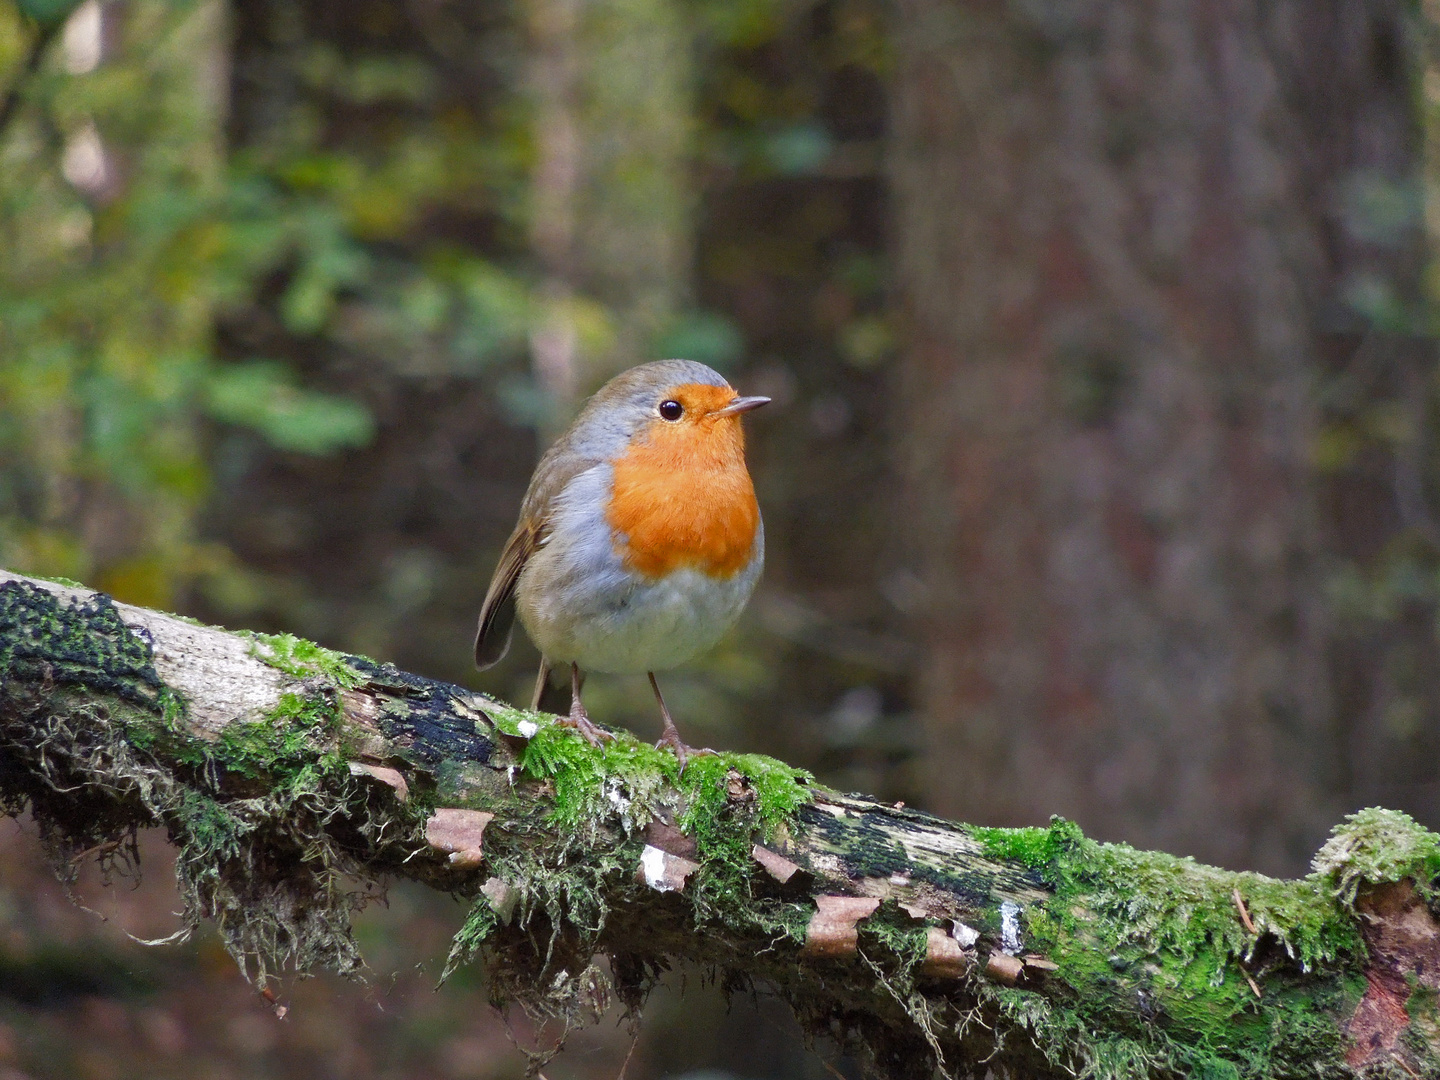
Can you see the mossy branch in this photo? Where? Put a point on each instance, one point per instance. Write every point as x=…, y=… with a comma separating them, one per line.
x=294, y=781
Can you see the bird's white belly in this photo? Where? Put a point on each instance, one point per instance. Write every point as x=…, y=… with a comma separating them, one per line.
x=579, y=603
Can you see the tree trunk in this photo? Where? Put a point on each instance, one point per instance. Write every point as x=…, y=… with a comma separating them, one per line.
x=294, y=780
x=1124, y=259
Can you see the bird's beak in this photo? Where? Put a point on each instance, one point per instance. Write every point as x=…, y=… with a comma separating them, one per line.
x=741, y=405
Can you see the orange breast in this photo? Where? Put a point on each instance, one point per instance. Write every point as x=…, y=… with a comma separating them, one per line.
x=683, y=497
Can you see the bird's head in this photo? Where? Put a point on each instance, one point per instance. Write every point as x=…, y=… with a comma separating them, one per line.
x=681, y=410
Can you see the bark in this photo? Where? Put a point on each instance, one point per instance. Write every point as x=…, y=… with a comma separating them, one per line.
x=293, y=780
x=1128, y=251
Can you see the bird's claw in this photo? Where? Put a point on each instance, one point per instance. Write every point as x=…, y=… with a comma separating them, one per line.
x=683, y=753
x=582, y=723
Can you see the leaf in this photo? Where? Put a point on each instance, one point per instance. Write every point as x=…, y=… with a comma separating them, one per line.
x=262, y=395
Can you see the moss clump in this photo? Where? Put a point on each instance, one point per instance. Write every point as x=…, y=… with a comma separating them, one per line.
x=622, y=777
x=1376, y=847
x=725, y=801
x=296, y=738
x=304, y=659
x=575, y=861
x=1034, y=847
x=771, y=790
x=1161, y=940
x=632, y=780
x=1153, y=904
x=730, y=801
x=480, y=923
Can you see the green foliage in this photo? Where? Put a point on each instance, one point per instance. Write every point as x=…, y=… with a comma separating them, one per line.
x=264, y=396
x=104, y=298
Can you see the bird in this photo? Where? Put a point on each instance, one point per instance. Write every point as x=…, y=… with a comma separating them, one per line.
x=639, y=540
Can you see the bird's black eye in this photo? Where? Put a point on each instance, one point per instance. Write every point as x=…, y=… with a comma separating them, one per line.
x=671, y=410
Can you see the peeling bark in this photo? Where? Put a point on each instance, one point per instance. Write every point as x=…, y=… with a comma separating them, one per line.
x=1404, y=942
x=282, y=771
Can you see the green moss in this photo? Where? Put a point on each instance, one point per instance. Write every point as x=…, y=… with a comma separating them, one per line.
x=1153, y=904
x=1036, y=848
x=69, y=583
x=633, y=779
x=296, y=737
x=303, y=659
x=567, y=866
x=1160, y=940
x=479, y=923
x=621, y=776
x=769, y=793
x=294, y=744
x=1376, y=847
x=210, y=834
x=893, y=935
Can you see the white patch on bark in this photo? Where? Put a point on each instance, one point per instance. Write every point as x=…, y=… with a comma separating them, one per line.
x=1010, y=927
x=652, y=862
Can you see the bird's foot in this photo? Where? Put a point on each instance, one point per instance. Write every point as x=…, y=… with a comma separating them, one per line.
x=683, y=753
x=581, y=722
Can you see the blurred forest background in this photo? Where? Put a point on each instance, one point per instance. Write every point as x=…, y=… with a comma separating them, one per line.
x=1102, y=479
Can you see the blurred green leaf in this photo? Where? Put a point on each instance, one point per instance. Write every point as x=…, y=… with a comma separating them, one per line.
x=262, y=395
x=496, y=311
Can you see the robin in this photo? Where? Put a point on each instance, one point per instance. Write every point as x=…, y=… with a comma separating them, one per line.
x=639, y=541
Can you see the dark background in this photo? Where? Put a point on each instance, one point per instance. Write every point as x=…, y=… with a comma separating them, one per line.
x=1100, y=478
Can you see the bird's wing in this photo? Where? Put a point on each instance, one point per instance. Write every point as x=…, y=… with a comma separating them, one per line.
x=497, y=614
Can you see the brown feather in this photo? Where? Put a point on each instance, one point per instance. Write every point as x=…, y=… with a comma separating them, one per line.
x=497, y=614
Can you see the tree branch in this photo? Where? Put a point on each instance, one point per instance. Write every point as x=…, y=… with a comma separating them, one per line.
x=294, y=781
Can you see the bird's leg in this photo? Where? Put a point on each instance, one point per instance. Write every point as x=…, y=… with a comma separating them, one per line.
x=579, y=719
x=671, y=736
x=540, y=682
